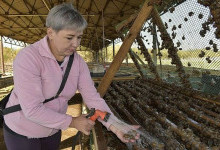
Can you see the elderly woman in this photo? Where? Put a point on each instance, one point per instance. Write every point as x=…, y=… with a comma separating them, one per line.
x=38, y=72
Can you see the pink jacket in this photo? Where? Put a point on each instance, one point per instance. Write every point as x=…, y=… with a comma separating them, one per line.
x=37, y=76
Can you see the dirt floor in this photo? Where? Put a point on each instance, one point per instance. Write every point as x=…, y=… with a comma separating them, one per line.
x=67, y=135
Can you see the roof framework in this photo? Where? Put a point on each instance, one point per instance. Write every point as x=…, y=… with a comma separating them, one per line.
x=24, y=20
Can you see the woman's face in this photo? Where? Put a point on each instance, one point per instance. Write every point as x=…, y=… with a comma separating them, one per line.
x=64, y=42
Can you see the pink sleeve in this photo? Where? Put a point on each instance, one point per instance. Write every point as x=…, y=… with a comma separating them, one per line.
x=28, y=88
x=89, y=93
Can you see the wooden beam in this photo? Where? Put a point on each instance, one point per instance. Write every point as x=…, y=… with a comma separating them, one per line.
x=123, y=78
x=77, y=4
x=126, y=22
x=148, y=58
x=100, y=137
x=154, y=44
x=172, y=50
x=44, y=15
x=46, y=5
x=6, y=81
x=138, y=58
x=138, y=66
x=14, y=22
x=24, y=15
x=129, y=39
x=33, y=10
x=37, y=27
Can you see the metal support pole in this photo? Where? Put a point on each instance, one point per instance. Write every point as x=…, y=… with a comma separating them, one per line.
x=106, y=54
x=113, y=48
x=127, y=60
x=97, y=57
x=2, y=56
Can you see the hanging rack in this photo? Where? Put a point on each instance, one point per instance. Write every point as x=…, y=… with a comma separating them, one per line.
x=103, y=36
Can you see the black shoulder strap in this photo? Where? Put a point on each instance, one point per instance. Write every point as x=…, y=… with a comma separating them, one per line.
x=18, y=107
x=64, y=79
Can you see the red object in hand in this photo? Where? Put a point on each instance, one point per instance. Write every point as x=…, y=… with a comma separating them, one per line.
x=95, y=114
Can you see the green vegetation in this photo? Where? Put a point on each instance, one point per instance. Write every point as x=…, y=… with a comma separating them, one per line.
x=9, y=54
x=183, y=54
x=187, y=56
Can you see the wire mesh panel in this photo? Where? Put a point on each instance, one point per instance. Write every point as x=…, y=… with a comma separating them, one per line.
x=193, y=33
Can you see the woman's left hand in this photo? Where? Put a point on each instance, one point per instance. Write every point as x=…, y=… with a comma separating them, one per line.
x=130, y=136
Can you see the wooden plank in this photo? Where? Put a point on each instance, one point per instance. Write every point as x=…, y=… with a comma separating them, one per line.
x=129, y=39
x=99, y=79
x=100, y=138
x=7, y=81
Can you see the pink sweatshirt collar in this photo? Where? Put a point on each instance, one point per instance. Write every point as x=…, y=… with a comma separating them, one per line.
x=46, y=52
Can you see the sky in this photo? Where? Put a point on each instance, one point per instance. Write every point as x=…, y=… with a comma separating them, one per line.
x=190, y=29
x=14, y=47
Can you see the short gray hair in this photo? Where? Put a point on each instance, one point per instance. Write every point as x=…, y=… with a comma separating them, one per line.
x=65, y=16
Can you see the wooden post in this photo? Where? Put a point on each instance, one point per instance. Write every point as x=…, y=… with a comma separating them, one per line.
x=129, y=39
x=113, y=48
x=100, y=137
x=2, y=56
x=154, y=44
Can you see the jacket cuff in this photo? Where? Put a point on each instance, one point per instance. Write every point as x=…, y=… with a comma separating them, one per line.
x=66, y=123
x=108, y=123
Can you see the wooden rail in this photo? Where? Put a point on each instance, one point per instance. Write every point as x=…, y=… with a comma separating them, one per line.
x=6, y=81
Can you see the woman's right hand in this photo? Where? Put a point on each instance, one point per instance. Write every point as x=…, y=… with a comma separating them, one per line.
x=82, y=124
